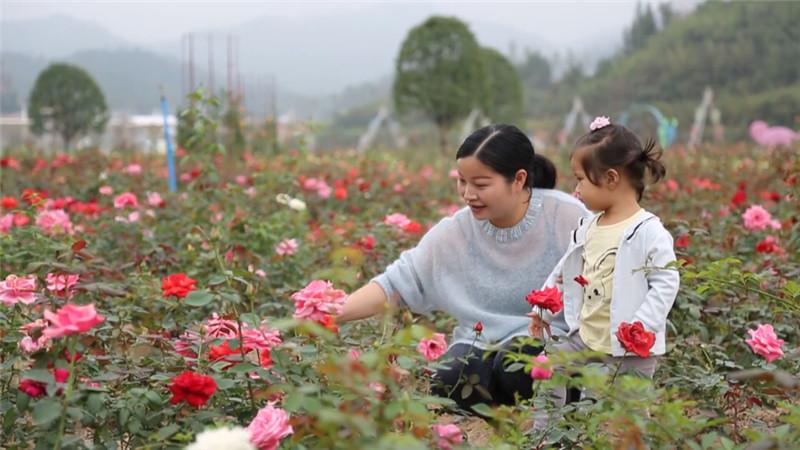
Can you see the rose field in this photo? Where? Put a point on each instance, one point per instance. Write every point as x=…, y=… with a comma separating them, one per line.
x=132, y=317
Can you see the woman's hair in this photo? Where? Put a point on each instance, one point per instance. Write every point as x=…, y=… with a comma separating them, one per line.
x=506, y=149
x=616, y=147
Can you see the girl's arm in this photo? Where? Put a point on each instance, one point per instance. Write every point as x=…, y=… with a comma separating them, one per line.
x=663, y=283
x=367, y=301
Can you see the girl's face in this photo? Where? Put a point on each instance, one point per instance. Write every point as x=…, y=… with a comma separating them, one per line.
x=488, y=194
x=596, y=198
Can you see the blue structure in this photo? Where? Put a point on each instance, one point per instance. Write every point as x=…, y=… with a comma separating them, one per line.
x=173, y=185
x=667, y=127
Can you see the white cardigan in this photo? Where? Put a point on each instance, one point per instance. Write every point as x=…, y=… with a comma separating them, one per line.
x=638, y=295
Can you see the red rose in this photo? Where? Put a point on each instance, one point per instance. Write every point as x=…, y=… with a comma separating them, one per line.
x=32, y=388
x=340, y=193
x=217, y=352
x=412, y=227
x=266, y=358
x=478, y=328
x=635, y=339
x=682, y=241
x=193, y=388
x=37, y=388
x=178, y=285
x=739, y=197
x=330, y=323
x=367, y=242
x=8, y=203
x=580, y=279
x=548, y=298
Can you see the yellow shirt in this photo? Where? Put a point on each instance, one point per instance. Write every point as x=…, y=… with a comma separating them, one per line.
x=599, y=256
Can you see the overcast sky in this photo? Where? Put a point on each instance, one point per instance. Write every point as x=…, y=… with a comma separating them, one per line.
x=565, y=23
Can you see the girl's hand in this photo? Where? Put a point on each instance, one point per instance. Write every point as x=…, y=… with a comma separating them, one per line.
x=537, y=327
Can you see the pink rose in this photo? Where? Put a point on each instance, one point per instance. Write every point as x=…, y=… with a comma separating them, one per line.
x=541, y=368
x=6, y=223
x=61, y=284
x=71, y=319
x=447, y=435
x=106, y=190
x=397, y=219
x=432, y=348
x=18, y=289
x=126, y=199
x=268, y=428
x=323, y=190
x=134, y=169
x=765, y=342
x=287, y=247
x=54, y=222
x=758, y=218
x=154, y=199
x=318, y=300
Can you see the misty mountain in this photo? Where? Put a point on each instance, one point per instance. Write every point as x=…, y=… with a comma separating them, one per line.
x=323, y=55
x=55, y=37
x=322, y=64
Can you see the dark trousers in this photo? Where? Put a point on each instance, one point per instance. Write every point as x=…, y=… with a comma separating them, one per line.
x=485, y=372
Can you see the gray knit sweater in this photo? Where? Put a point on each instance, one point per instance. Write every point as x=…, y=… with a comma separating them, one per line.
x=475, y=271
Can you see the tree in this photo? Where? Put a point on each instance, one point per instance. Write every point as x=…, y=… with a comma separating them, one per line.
x=66, y=98
x=440, y=73
x=537, y=79
x=643, y=27
x=535, y=71
x=504, y=100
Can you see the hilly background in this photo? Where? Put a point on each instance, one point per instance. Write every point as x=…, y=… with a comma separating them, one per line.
x=315, y=75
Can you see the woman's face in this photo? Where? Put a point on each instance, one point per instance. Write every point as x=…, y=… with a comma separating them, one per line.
x=487, y=193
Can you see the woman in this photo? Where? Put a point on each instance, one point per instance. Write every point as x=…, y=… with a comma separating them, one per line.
x=479, y=264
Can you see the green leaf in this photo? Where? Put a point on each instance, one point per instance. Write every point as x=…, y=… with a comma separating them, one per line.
x=483, y=409
x=95, y=402
x=243, y=368
x=392, y=410
x=168, y=431
x=153, y=397
x=224, y=383
x=216, y=280
x=46, y=411
x=43, y=375
x=466, y=391
x=515, y=367
x=198, y=298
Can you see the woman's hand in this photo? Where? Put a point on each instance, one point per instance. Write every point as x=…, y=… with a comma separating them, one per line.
x=537, y=327
x=367, y=301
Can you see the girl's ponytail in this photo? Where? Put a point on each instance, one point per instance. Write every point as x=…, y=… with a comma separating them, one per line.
x=651, y=157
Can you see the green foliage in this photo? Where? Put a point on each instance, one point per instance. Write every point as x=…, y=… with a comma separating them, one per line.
x=66, y=98
x=503, y=102
x=536, y=77
x=710, y=391
x=439, y=71
x=643, y=27
x=739, y=49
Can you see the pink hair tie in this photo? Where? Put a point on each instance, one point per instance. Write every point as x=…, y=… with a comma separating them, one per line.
x=599, y=122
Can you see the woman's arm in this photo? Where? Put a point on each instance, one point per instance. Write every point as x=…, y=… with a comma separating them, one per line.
x=367, y=301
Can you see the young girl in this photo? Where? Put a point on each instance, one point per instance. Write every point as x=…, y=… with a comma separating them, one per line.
x=599, y=277
x=478, y=264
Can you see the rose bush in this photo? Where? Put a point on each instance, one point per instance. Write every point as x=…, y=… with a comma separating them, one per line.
x=101, y=319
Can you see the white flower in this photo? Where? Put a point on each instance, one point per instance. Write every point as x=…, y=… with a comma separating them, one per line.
x=297, y=204
x=283, y=199
x=236, y=438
